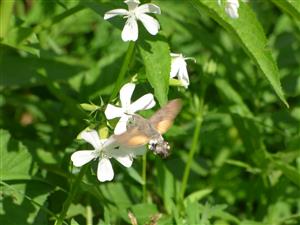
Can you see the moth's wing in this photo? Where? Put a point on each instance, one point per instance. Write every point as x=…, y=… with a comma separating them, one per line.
x=133, y=137
x=163, y=119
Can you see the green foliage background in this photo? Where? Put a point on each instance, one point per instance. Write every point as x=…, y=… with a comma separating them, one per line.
x=235, y=146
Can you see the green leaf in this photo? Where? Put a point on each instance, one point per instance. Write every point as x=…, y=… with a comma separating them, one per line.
x=20, y=35
x=251, y=222
x=291, y=7
x=290, y=172
x=144, y=212
x=157, y=60
x=244, y=165
x=166, y=184
x=197, y=196
x=18, y=70
x=15, y=158
x=24, y=202
x=192, y=211
x=135, y=175
x=73, y=222
x=232, y=98
x=252, y=139
x=250, y=33
x=116, y=193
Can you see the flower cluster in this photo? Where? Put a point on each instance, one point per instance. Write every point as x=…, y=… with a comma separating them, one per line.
x=108, y=148
x=105, y=149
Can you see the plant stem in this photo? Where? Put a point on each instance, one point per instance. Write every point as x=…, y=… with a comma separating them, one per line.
x=6, y=8
x=123, y=71
x=70, y=197
x=190, y=158
x=144, y=176
x=89, y=215
x=195, y=144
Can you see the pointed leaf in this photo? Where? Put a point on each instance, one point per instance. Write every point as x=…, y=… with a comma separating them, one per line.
x=156, y=56
x=289, y=171
x=290, y=7
x=250, y=34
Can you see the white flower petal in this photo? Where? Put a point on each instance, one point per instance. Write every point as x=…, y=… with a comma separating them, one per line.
x=126, y=93
x=231, y=8
x=232, y=12
x=125, y=160
x=145, y=102
x=132, y=4
x=105, y=171
x=175, y=67
x=149, y=22
x=148, y=8
x=179, y=69
x=130, y=31
x=132, y=1
x=91, y=137
x=121, y=125
x=115, y=12
x=82, y=157
x=183, y=75
x=112, y=112
x=175, y=55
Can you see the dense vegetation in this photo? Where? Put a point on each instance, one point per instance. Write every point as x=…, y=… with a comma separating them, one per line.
x=235, y=145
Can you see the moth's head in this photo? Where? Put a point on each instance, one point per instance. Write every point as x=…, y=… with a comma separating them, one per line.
x=159, y=147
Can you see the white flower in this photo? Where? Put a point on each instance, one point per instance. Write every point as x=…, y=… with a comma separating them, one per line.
x=134, y=13
x=127, y=108
x=104, y=149
x=231, y=8
x=178, y=68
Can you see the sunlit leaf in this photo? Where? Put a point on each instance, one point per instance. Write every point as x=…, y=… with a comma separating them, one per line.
x=18, y=161
x=291, y=7
x=250, y=34
x=154, y=51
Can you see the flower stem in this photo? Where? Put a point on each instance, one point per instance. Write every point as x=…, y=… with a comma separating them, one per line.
x=70, y=197
x=195, y=143
x=190, y=158
x=144, y=176
x=124, y=69
x=89, y=215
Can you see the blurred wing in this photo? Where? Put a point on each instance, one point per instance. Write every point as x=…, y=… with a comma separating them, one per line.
x=163, y=119
x=132, y=138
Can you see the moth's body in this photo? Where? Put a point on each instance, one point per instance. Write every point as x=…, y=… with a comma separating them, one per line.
x=156, y=141
x=141, y=131
x=143, y=125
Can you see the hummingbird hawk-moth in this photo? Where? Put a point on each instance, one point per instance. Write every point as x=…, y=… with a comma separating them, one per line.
x=141, y=131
